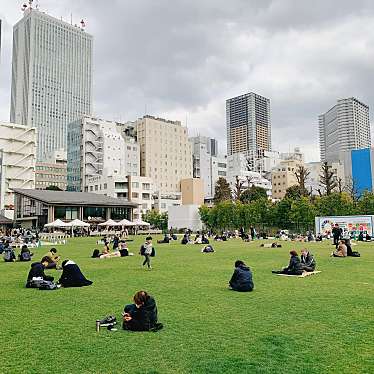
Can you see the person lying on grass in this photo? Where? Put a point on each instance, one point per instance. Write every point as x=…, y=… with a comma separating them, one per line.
x=294, y=267
x=241, y=280
x=72, y=275
x=142, y=315
x=307, y=261
x=37, y=271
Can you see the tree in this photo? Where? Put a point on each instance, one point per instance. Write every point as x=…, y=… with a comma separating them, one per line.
x=253, y=193
x=53, y=188
x=302, y=175
x=302, y=213
x=238, y=188
x=351, y=189
x=365, y=204
x=205, y=215
x=156, y=219
x=327, y=179
x=335, y=204
x=296, y=192
x=222, y=191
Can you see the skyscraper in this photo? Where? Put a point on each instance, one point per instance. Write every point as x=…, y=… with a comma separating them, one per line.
x=344, y=127
x=248, y=125
x=51, y=77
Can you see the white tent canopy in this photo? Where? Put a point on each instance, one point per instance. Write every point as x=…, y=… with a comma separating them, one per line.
x=109, y=223
x=58, y=223
x=79, y=223
x=139, y=222
x=126, y=222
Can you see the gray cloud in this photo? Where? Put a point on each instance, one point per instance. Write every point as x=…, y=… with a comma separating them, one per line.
x=182, y=59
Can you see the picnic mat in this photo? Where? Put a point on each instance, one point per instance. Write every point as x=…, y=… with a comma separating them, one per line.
x=305, y=274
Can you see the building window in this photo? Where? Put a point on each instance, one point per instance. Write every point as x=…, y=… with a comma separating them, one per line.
x=146, y=186
x=120, y=185
x=135, y=184
x=134, y=195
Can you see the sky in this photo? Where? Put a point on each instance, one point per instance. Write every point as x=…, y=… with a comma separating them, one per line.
x=182, y=59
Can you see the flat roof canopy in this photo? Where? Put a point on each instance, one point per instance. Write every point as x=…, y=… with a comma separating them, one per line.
x=73, y=198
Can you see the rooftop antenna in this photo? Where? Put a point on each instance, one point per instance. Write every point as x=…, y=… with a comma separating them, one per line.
x=83, y=24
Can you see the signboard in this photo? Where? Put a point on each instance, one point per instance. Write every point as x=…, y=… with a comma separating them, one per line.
x=353, y=224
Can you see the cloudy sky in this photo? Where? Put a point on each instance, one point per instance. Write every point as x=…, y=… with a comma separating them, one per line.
x=182, y=59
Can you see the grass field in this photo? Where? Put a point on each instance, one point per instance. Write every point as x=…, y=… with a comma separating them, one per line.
x=319, y=324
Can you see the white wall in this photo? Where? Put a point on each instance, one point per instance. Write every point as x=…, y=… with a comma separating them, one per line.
x=184, y=216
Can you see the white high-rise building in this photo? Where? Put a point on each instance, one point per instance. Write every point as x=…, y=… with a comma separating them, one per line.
x=207, y=165
x=51, y=77
x=100, y=148
x=344, y=127
x=17, y=162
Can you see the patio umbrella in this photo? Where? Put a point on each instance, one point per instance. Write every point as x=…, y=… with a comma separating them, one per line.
x=58, y=223
x=109, y=223
x=139, y=222
x=79, y=223
x=126, y=222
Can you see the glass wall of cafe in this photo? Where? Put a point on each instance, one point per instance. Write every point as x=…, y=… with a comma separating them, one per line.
x=34, y=213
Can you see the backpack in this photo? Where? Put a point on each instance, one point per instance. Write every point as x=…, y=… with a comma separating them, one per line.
x=9, y=255
x=47, y=285
x=153, y=254
x=95, y=253
x=142, y=250
x=25, y=256
x=355, y=254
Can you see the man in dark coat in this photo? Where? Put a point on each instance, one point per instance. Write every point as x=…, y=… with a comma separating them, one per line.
x=307, y=260
x=142, y=315
x=294, y=267
x=72, y=275
x=37, y=271
x=337, y=233
x=241, y=280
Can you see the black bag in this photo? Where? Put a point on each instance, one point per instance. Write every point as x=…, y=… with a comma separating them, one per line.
x=153, y=254
x=95, y=253
x=355, y=254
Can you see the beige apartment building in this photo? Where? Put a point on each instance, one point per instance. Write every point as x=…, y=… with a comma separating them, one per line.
x=192, y=191
x=284, y=177
x=52, y=172
x=165, y=152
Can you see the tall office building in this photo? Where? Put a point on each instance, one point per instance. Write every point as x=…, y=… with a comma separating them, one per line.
x=51, y=77
x=207, y=165
x=344, y=127
x=248, y=125
x=165, y=153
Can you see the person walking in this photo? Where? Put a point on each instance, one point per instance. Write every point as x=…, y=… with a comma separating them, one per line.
x=147, y=251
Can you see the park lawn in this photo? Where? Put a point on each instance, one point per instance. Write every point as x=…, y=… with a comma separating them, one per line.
x=320, y=324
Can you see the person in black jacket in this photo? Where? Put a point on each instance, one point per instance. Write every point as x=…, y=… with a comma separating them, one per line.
x=307, y=260
x=142, y=315
x=37, y=271
x=241, y=280
x=294, y=267
x=72, y=275
x=337, y=233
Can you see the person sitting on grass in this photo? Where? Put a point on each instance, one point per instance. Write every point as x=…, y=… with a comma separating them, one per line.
x=107, y=253
x=241, y=280
x=37, y=272
x=142, y=315
x=53, y=259
x=204, y=239
x=198, y=239
x=307, y=261
x=8, y=254
x=271, y=245
x=123, y=249
x=166, y=240
x=294, y=267
x=25, y=254
x=341, y=251
x=72, y=275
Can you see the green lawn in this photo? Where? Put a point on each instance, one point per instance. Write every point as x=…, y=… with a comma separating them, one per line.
x=319, y=324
